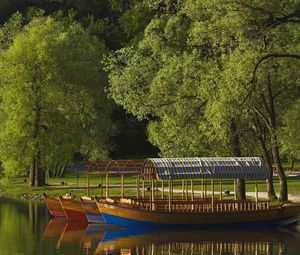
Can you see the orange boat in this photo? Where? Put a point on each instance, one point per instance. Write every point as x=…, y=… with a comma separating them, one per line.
x=54, y=206
x=73, y=209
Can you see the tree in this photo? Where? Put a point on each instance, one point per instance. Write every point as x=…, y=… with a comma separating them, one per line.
x=290, y=132
x=193, y=73
x=53, y=101
x=268, y=58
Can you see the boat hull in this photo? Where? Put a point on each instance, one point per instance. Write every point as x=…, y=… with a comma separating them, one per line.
x=92, y=212
x=54, y=207
x=73, y=209
x=124, y=216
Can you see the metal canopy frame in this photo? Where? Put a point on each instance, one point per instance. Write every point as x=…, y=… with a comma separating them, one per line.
x=248, y=168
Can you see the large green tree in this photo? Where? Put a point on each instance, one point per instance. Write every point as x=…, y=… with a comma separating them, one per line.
x=201, y=75
x=52, y=97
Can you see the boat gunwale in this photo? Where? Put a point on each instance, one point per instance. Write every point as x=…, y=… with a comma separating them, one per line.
x=273, y=208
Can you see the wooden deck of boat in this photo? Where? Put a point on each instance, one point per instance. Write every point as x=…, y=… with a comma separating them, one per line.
x=181, y=205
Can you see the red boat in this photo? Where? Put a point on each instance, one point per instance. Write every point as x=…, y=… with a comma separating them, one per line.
x=73, y=209
x=54, y=206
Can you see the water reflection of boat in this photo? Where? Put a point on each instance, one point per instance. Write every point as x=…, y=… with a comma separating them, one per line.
x=55, y=227
x=105, y=239
x=137, y=241
x=75, y=232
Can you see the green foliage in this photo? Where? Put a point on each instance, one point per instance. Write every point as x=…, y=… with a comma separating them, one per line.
x=9, y=30
x=52, y=92
x=134, y=21
x=192, y=73
x=290, y=132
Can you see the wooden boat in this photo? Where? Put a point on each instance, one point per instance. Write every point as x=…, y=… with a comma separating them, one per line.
x=191, y=212
x=136, y=215
x=91, y=210
x=54, y=206
x=73, y=209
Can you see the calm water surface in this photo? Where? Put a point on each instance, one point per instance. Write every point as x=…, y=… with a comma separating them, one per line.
x=26, y=228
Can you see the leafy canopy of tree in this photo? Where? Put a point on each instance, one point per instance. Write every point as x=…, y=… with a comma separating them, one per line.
x=110, y=21
x=210, y=77
x=52, y=96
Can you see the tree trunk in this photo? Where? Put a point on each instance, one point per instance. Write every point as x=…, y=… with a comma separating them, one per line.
x=260, y=132
x=270, y=185
x=62, y=170
x=39, y=173
x=270, y=121
x=235, y=143
x=32, y=174
x=39, y=178
x=282, y=178
x=55, y=170
x=292, y=164
x=241, y=189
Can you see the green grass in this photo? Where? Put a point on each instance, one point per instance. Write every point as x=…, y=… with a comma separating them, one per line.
x=287, y=165
x=17, y=187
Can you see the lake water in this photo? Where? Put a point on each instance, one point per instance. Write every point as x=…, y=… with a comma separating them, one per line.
x=27, y=229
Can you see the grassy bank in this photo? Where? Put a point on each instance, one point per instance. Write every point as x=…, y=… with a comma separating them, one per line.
x=69, y=184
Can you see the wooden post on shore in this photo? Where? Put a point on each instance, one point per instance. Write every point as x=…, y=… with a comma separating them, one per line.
x=162, y=189
x=106, y=185
x=212, y=194
x=192, y=193
x=205, y=189
x=122, y=184
x=88, y=184
x=186, y=190
x=152, y=195
x=234, y=187
x=138, y=186
x=221, y=190
x=143, y=193
x=256, y=192
x=183, y=189
x=101, y=185
x=170, y=195
x=202, y=188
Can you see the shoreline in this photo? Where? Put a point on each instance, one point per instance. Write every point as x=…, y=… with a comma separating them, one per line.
x=293, y=198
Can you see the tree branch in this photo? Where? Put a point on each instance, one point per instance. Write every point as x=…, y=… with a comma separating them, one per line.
x=269, y=57
x=255, y=8
x=262, y=116
x=263, y=59
x=273, y=21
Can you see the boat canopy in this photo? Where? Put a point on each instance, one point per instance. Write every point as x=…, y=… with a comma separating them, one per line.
x=248, y=168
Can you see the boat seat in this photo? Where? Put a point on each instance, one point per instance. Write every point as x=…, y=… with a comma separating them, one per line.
x=86, y=198
x=126, y=201
x=109, y=200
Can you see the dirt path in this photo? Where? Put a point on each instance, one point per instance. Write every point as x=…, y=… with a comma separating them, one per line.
x=292, y=197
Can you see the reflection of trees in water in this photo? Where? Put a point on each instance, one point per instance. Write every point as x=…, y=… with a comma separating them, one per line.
x=22, y=224
x=206, y=248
